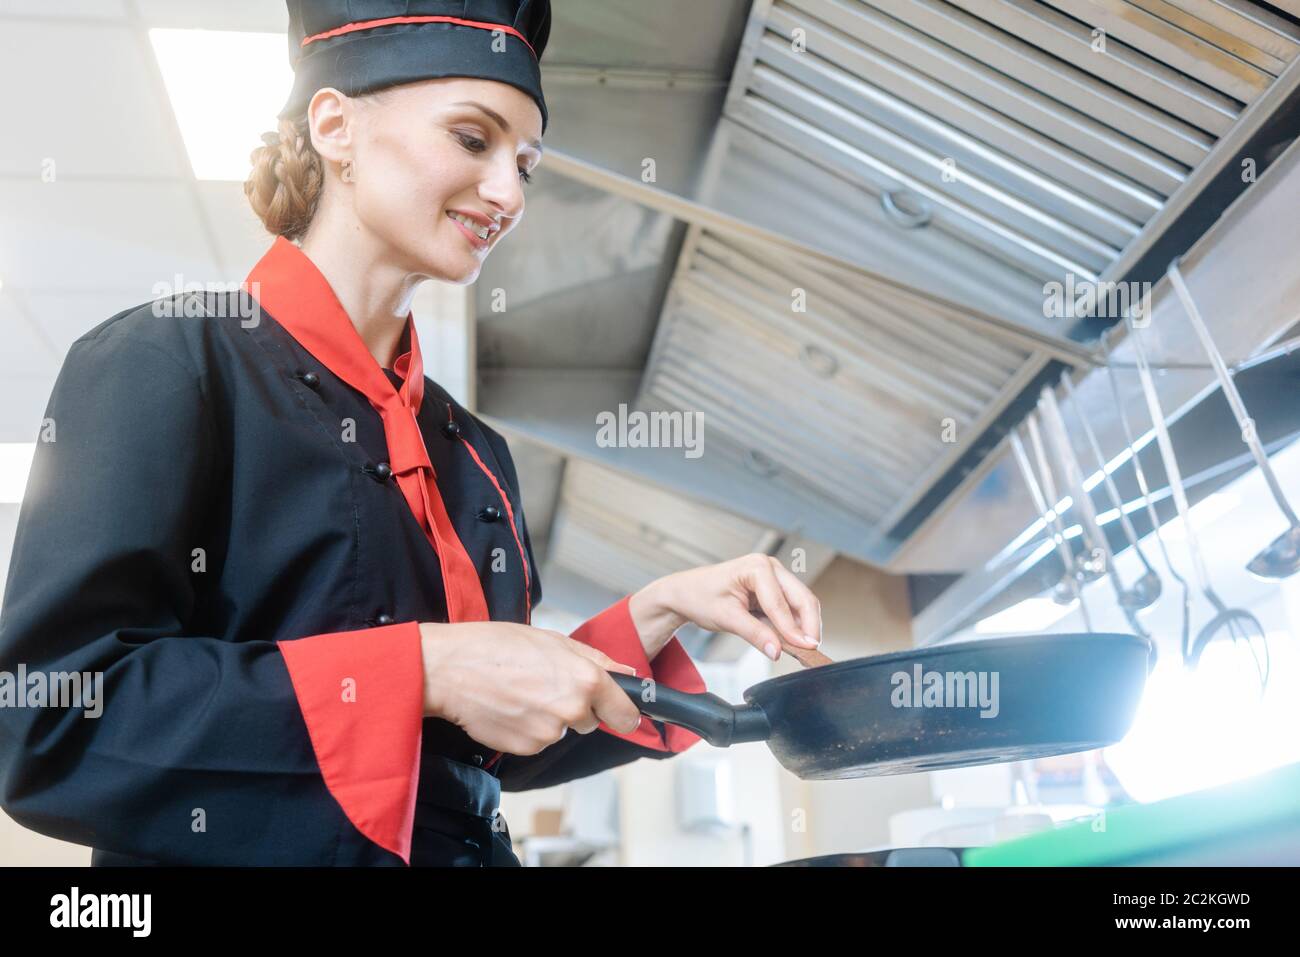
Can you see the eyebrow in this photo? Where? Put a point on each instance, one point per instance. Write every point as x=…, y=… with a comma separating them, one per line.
x=498, y=119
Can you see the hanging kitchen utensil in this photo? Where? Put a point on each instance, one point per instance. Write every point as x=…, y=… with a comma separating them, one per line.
x=1140, y=474
x=1068, y=586
x=1146, y=590
x=947, y=706
x=1085, y=568
x=1238, y=623
x=1281, y=559
x=1093, y=534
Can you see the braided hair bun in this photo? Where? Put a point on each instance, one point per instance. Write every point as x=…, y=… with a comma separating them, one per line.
x=285, y=185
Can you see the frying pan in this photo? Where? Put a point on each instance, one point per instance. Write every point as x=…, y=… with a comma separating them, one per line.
x=1055, y=694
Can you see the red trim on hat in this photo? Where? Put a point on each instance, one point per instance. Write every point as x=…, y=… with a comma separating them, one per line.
x=391, y=21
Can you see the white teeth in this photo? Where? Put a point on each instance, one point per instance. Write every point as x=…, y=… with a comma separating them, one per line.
x=480, y=231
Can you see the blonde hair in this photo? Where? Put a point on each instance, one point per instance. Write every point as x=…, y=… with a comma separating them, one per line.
x=284, y=187
x=288, y=174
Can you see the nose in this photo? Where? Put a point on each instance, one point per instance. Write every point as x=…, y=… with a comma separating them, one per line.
x=502, y=187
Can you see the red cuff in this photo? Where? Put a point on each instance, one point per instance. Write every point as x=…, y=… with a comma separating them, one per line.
x=614, y=633
x=362, y=695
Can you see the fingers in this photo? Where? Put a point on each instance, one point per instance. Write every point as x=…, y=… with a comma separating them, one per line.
x=609, y=702
x=804, y=602
x=613, y=706
x=755, y=631
x=599, y=657
x=588, y=722
x=772, y=599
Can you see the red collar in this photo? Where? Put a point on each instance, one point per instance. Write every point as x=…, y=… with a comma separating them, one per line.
x=288, y=285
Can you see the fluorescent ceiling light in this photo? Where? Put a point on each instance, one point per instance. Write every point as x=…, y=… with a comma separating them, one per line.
x=1030, y=615
x=225, y=89
x=15, y=463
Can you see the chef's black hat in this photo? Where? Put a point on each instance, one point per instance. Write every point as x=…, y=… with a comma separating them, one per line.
x=359, y=46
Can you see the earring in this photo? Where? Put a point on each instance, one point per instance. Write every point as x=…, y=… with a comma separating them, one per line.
x=347, y=171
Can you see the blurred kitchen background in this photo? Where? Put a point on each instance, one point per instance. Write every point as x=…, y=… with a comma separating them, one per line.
x=828, y=227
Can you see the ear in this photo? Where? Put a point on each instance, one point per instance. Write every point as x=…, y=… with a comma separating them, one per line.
x=331, y=118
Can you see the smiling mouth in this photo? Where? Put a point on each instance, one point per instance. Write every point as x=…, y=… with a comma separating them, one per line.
x=478, y=231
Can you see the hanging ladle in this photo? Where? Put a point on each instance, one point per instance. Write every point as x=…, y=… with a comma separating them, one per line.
x=1084, y=569
x=1067, y=590
x=1146, y=590
x=1140, y=474
x=1240, y=624
x=1092, y=530
x=1281, y=559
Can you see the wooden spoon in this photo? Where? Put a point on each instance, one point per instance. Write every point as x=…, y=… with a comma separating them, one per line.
x=808, y=657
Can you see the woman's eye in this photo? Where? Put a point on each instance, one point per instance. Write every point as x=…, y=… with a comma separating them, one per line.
x=476, y=145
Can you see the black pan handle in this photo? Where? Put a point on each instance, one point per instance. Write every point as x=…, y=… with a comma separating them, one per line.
x=712, y=718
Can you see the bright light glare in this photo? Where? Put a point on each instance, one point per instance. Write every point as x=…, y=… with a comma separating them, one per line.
x=1203, y=514
x=1200, y=729
x=226, y=89
x=1030, y=615
x=15, y=463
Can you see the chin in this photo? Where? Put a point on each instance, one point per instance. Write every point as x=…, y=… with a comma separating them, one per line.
x=465, y=278
x=473, y=269
x=455, y=270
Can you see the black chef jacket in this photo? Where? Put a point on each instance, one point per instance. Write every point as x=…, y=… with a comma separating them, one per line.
x=191, y=503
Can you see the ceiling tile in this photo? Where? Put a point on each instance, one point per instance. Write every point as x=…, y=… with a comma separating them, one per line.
x=24, y=351
x=92, y=9
x=23, y=400
x=115, y=125
x=65, y=317
x=262, y=16
x=241, y=238
x=73, y=236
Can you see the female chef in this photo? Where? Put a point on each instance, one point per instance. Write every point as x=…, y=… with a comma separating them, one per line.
x=299, y=566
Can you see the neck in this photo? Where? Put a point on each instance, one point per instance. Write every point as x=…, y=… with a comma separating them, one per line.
x=375, y=293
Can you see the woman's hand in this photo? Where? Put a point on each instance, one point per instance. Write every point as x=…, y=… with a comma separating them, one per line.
x=518, y=689
x=753, y=596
